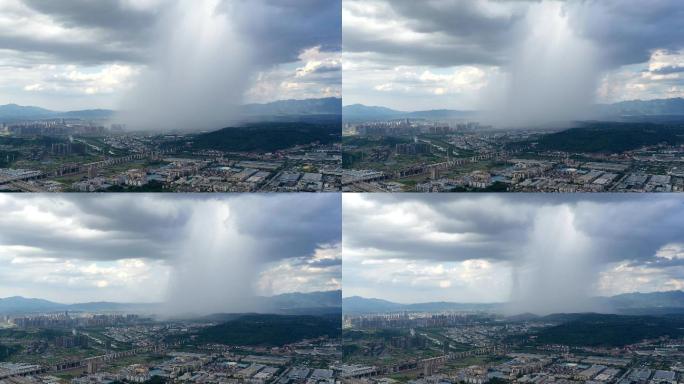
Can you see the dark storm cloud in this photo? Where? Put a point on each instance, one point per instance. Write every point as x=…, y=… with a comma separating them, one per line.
x=634, y=228
x=118, y=227
x=74, y=52
x=668, y=70
x=485, y=230
x=326, y=263
x=461, y=32
x=460, y=18
x=291, y=226
x=113, y=15
x=119, y=30
x=457, y=228
x=134, y=234
x=114, y=31
x=630, y=30
x=468, y=31
x=283, y=28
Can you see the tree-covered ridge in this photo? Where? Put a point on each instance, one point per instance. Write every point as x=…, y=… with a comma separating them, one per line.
x=268, y=136
x=611, y=330
x=612, y=137
x=272, y=330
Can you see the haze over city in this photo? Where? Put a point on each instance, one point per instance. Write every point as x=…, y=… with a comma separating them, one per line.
x=541, y=254
x=197, y=254
x=529, y=62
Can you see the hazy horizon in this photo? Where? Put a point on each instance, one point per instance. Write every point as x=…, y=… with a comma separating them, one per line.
x=160, y=302
x=408, y=111
x=245, y=104
x=500, y=302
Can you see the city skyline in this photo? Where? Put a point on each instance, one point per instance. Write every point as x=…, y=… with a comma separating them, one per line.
x=173, y=249
x=554, y=251
x=490, y=55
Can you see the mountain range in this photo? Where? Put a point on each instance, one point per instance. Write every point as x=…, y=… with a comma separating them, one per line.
x=360, y=112
x=288, y=303
x=323, y=106
x=627, y=303
x=358, y=304
x=673, y=107
x=332, y=106
x=271, y=111
x=13, y=113
x=656, y=107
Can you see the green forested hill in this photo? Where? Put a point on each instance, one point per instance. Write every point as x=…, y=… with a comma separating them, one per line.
x=272, y=330
x=612, y=137
x=268, y=136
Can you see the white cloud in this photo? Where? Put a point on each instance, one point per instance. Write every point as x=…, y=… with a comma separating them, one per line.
x=671, y=251
x=71, y=79
x=320, y=272
x=65, y=87
x=72, y=280
x=624, y=278
x=316, y=61
x=415, y=87
x=410, y=281
x=316, y=74
x=661, y=77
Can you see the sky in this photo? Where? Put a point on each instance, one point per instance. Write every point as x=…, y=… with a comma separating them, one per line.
x=487, y=54
x=554, y=251
x=83, y=54
x=204, y=252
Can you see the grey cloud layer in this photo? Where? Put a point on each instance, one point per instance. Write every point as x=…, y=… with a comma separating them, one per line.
x=486, y=32
x=124, y=31
x=282, y=29
x=154, y=227
x=629, y=30
x=495, y=228
x=116, y=32
x=459, y=33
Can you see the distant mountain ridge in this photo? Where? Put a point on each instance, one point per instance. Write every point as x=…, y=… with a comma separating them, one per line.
x=360, y=112
x=355, y=112
x=277, y=109
x=297, y=302
x=638, y=300
x=317, y=299
x=627, y=303
x=357, y=304
x=655, y=107
x=19, y=304
x=14, y=112
x=623, y=109
x=296, y=107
